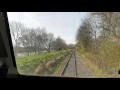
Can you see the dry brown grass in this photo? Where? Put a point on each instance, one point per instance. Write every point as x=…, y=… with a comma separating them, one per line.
x=40, y=69
x=48, y=66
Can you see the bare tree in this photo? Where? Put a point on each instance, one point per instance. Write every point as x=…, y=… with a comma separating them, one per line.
x=41, y=39
x=32, y=39
x=25, y=40
x=84, y=34
x=50, y=41
x=109, y=22
x=16, y=29
x=92, y=25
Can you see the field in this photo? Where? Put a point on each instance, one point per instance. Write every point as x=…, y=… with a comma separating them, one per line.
x=44, y=64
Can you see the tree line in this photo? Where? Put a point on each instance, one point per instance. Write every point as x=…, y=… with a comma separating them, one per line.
x=34, y=39
x=98, y=26
x=99, y=34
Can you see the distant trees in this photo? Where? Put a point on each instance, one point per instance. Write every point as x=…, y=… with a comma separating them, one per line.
x=34, y=39
x=71, y=46
x=59, y=43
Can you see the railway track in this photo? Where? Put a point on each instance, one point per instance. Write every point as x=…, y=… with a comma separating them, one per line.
x=70, y=68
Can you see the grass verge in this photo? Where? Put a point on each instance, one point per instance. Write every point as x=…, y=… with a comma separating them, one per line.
x=95, y=69
x=60, y=67
x=44, y=62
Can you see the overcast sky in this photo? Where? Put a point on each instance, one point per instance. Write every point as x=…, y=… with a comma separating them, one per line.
x=63, y=24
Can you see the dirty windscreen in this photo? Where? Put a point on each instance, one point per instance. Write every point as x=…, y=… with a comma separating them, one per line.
x=67, y=44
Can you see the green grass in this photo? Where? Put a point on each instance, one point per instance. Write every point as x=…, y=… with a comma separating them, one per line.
x=27, y=65
x=60, y=67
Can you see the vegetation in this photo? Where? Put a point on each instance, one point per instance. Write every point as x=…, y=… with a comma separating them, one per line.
x=60, y=68
x=32, y=43
x=94, y=68
x=41, y=64
x=35, y=40
x=98, y=41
